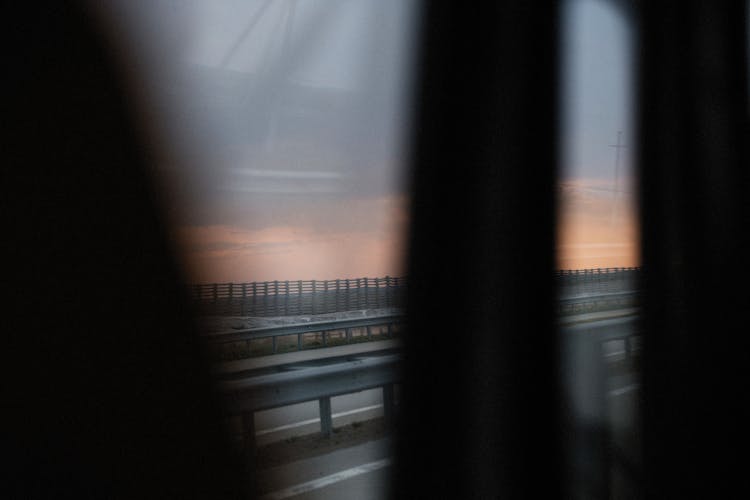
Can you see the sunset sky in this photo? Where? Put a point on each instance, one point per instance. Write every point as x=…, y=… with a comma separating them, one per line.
x=285, y=123
x=595, y=228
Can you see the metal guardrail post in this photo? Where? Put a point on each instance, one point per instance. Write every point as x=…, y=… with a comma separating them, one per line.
x=312, y=299
x=249, y=450
x=388, y=403
x=338, y=294
x=276, y=297
x=299, y=297
x=286, y=298
x=326, y=420
x=248, y=435
x=628, y=347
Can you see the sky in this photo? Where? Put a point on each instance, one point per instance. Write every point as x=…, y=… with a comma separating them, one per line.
x=283, y=126
x=597, y=220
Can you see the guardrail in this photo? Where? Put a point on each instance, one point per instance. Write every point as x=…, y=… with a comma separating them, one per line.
x=597, y=302
x=283, y=298
x=566, y=305
x=245, y=397
x=389, y=322
x=302, y=382
x=600, y=280
x=623, y=329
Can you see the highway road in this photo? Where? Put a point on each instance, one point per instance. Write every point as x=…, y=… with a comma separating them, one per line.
x=361, y=470
x=302, y=419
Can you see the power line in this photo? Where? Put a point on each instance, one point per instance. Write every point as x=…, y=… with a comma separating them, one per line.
x=616, y=190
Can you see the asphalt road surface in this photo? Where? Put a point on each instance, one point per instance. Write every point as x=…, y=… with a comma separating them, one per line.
x=302, y=419
x=362, y=471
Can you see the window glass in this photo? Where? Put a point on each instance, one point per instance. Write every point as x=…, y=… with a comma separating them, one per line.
x=280, y=149
x=598, y=226
x=597, y=251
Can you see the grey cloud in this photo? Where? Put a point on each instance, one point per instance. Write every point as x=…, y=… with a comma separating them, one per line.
x=281, y=113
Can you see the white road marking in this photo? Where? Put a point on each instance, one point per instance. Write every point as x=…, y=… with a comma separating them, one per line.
x=622, y=390
x=316, y=420
x=322, y=482
x=616, y=353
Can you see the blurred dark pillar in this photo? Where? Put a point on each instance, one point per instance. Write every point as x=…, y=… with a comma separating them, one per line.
x=695, y=187
x=480, y=416
x=107, y=392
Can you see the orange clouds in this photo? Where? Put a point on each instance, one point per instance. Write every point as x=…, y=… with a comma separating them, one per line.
x=374, y=246
x=594, y=230
x=367, y=238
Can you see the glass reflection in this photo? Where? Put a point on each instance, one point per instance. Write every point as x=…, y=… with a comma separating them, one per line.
x=598, y=250
x=280, y=149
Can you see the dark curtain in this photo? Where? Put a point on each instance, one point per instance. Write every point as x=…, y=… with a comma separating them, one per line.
x=106, y=390
x=695, y=185
x=481, y=415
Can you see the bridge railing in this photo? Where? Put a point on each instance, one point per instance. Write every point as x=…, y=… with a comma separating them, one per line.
x=263, y=392
x=288, y=298
x=600, y=280
x=298, y=383
x=301, y=297
x=256, y=340
x=268, y=340
x=594, y=302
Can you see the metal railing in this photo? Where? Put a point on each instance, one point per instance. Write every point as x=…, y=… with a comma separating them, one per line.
x=597, y=281
x=597, y=302
x=284, y=298
x=624, y=328
x=320, y=380
x=309, y=383
x=344, y=327
x=323, y=328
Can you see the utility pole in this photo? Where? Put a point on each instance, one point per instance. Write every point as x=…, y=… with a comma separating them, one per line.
x=286, y=44
x=616, y=190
